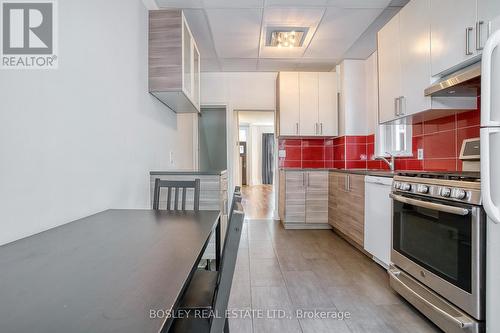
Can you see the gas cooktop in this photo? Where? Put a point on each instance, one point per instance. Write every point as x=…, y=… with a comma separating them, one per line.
x=446, y=175
x=455, y=186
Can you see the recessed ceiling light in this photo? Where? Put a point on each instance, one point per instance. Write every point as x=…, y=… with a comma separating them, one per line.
x=285, y=36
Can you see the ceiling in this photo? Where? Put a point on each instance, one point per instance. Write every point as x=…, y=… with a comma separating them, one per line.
x=231, y=34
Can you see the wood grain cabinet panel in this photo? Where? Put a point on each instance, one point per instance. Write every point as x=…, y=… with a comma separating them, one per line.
x=295, y=197
x=346, y=205
x=303, y=199
x=317, y=197
x=174, y=61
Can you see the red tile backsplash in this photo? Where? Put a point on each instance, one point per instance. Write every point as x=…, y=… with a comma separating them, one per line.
x=440, y=138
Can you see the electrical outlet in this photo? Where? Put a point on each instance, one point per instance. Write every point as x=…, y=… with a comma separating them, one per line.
x=420, y=154
x=282, y=153
x=171, y=156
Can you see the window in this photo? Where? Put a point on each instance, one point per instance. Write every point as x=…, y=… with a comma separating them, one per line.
x=394, y=139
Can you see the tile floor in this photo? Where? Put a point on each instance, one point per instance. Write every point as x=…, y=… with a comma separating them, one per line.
x=290, y=270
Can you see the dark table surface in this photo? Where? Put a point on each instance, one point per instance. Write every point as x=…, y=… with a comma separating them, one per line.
x=102, y=273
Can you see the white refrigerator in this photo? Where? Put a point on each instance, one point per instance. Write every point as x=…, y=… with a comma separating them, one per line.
x=490, y=172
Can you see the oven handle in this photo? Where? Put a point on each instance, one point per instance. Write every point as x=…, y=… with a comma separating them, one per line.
x=430, y=205
x=463, y=324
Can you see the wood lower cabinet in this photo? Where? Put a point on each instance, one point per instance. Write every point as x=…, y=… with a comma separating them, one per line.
x=346, y=205
x=317, y=197
x=303, y=199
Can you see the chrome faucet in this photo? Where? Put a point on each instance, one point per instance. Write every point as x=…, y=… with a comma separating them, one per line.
x=390, y=163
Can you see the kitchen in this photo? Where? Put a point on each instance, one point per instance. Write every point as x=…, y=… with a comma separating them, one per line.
x=382, y=211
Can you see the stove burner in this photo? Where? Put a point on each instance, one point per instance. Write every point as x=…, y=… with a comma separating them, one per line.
x=460, y=176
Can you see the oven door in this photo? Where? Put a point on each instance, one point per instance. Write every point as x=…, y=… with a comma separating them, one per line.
x=441, y=244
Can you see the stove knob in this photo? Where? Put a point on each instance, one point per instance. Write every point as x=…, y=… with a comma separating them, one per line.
x=397, y=185
x=422, y=189
x=458, y=193
x=445, y=192
x=405, y=187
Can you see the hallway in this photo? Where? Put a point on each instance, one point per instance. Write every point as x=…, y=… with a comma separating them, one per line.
x=258, y=201
x=282, y=273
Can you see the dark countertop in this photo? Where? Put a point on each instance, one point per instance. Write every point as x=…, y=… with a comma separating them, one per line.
x=379, y=173
x=102, y=273
x=189, y=172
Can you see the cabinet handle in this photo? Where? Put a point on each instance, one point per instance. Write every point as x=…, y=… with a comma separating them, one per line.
x=396, y=104
x=321, y=128
x=401, y=99
x=479, y=25
x=297, y=128
x=467, y=40
x=308, y=180
x=347, y=183
x=303, y=180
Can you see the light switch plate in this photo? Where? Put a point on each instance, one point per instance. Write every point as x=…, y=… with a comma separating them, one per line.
x=420, y=154
x=282, y=153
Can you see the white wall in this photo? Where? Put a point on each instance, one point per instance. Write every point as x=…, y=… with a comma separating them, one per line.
x=83, y=138
x=238, y=91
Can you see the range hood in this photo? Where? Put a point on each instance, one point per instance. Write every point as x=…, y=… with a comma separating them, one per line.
x=463, y=83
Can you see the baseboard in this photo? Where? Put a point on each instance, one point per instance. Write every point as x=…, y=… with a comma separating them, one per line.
x=306, y=225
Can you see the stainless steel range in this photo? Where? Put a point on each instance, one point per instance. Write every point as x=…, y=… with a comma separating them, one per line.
x=438, y=247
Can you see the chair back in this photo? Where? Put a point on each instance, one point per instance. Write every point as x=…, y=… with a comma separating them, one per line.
x=177, y=186
x=228, y=264
x=236, y=198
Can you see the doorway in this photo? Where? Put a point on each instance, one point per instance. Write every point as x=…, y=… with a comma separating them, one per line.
x=256, y=162
x=212, y=139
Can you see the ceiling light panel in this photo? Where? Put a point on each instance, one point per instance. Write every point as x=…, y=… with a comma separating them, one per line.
x=285, y=37
x=289, y=18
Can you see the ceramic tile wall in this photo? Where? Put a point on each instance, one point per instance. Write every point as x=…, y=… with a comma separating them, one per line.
x=440, y=138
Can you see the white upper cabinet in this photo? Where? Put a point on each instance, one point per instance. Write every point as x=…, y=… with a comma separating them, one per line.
x=389, y=70
x=288, y=103
x=327, y=104
x=308, y=92
x=307, y=104
x=415, y=54
x=452, y=34
x=487, y=11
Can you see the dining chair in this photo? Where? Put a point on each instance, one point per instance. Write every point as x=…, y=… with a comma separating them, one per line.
x=209, y=290
x=177, y=186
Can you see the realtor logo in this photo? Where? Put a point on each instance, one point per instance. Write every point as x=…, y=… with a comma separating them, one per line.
x=28, y=34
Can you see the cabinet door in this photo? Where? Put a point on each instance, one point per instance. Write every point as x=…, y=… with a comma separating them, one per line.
x=336, y=194
x=415, y=50
x=196, y=75
x=187, y=63
x=327, y=104
x=317, y=197
x=487, y=11
x=389, y=69
x=308, y=90
x=289, y=103
x=295, y=197
x=356, y=208
x=452, y=22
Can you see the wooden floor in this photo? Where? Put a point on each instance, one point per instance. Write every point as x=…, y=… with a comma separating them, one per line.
x=258, y=201
x=291, y=270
